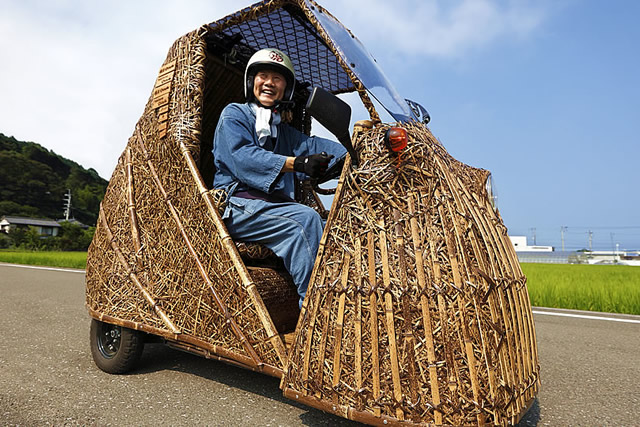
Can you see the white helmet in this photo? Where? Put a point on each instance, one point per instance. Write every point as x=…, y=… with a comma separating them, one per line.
x=270, y=59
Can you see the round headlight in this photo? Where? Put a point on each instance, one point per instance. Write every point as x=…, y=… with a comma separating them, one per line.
x=491, y=192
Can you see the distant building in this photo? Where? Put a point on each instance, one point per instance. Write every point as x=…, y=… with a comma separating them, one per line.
x=46, y=227
x=614, y=257
x=520, y=244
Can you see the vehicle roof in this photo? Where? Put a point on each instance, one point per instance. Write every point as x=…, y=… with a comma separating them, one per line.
x=284, y=24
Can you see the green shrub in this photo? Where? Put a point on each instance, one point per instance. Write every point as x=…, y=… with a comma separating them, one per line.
x=5, y=240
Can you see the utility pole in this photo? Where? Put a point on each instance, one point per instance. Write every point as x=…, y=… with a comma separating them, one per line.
x=67, y=204
x=590, y=241
x=533, y=230
x=612, y=246
x=562, y=230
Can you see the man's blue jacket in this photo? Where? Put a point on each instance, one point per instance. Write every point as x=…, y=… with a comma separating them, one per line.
x=241, y=163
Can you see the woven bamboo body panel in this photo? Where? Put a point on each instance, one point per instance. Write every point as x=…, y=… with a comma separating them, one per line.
x=417, y=312
x=161, y=259
x=418, y=309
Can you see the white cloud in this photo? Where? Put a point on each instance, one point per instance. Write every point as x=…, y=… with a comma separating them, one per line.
x=75, y=75
x=441, y=28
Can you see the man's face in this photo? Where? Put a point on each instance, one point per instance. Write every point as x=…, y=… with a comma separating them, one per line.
x=268, y=87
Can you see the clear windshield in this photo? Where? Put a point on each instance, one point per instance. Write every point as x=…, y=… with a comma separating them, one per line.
x=364, y=66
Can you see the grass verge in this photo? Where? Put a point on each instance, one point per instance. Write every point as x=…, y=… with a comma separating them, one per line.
x=45, y=258
x=606, y=288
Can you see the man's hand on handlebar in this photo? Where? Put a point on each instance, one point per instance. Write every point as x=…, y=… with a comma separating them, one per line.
x=314, y=165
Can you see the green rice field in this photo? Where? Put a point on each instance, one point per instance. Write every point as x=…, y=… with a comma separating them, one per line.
x=606, y=288
x=45, y=258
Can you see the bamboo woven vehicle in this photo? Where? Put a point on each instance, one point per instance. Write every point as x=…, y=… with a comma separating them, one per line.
x=417, y=310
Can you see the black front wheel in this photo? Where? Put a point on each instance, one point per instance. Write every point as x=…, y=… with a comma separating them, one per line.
x=115, y=349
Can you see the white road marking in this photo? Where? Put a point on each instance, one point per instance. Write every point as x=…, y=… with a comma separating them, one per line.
x=35, y=267
x=584, y=316
x=547, y=313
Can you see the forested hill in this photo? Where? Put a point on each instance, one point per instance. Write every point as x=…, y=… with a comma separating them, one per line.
x=34, y=180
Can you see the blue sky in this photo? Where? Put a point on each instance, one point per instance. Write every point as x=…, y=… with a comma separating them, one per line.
x=545, y=94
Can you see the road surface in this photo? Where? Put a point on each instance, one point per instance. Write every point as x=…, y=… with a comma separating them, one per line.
x=590, y=370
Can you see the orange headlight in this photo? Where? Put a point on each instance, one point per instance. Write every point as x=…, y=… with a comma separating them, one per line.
x=396, y=139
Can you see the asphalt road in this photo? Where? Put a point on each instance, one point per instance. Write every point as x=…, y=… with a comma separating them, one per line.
x=590, y=371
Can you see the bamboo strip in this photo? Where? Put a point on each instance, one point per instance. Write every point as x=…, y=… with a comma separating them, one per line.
x=468, y=345
x=456, y=270
x=323, y=341
x=517, y=344
x=532, y=339
x=489, y=365
x=389, y=314
x=442, y=312
x=339, y=323
x=426, y=315
x=343, y=411
x=409, y=340
x=373, y=322
x=519, y=386
x=316, y=266
x=309, y=335
x=357, y=324
x=133, y=217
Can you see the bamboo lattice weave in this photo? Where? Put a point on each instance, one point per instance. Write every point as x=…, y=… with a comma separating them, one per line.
x=182, y=259
x=432, y=279
x=417, y=311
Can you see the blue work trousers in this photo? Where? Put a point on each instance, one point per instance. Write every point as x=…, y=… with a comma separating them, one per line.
x=291, y=230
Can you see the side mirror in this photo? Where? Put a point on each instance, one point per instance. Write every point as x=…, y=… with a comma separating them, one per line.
x=335, y=115
x=419, y=112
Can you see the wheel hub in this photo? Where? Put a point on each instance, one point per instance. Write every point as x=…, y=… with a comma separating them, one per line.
x=109, y=340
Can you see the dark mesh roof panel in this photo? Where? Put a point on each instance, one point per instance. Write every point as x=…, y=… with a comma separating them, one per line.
x=288, y=29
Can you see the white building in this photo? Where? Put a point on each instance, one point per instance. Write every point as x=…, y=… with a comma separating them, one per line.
x=520, y=244
x=45, y=227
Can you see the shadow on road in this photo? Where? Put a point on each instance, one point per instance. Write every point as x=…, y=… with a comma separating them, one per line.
x=532, y=417
x=159, y=357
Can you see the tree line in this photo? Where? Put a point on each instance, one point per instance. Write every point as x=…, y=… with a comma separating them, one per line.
x=33, y=183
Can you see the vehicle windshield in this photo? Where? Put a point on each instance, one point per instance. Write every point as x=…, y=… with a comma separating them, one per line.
x=364, y=66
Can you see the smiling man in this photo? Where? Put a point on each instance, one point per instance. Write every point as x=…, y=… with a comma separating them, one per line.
x=257, y=158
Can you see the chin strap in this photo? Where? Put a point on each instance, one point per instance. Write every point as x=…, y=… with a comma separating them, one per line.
x=277, y=107
x=284, y=105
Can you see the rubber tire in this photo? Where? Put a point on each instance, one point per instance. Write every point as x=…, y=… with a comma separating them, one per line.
x=121, y=359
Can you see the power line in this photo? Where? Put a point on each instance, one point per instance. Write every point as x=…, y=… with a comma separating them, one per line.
x=602, y=227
